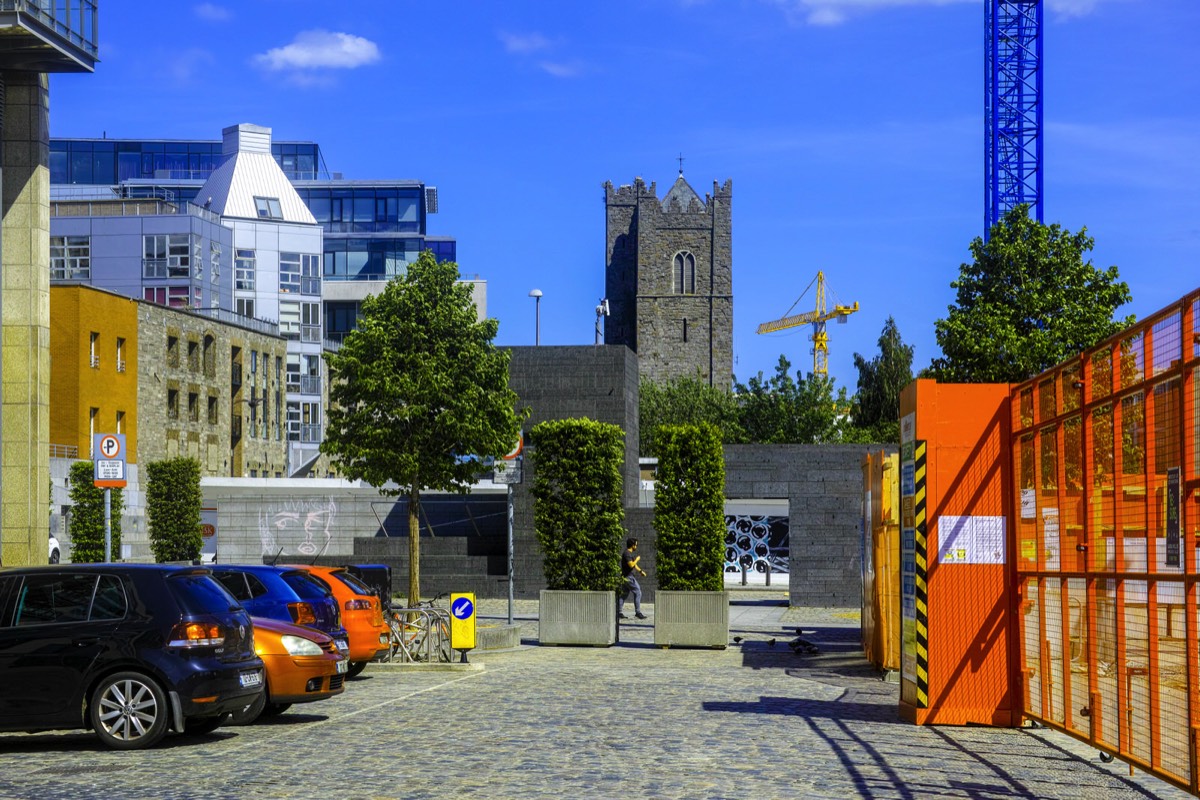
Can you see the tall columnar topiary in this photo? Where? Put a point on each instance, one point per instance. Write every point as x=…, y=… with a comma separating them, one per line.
x=173, y=502
x=87, y=516
x=689, y=508
x=578, y=511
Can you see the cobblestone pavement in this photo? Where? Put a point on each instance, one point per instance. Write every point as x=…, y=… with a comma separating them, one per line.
x=751, y=721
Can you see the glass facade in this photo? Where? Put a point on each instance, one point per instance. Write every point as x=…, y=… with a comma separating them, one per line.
x=112, y=161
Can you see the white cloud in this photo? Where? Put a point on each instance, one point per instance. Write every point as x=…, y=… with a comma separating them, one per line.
x=189, y=64
x=524, y=42
x=212, y=12
x=320, y=49
x=561, y=69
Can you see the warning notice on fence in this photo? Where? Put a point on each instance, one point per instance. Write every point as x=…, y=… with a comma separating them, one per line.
x=970, y=540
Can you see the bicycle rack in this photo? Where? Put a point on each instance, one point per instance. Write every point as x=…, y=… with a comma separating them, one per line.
x=419, y=635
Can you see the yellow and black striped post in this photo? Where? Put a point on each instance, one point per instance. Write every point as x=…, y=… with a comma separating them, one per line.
x=922, y=571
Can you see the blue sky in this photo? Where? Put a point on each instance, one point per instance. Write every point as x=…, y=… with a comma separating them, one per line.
x=852, y=131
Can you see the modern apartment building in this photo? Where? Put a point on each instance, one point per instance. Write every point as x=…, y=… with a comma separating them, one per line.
x=38, y=38
x=303, y=250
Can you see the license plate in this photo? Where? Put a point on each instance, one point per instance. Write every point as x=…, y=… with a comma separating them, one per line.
x=251, y=679
x=342, y=666
x=341, y=645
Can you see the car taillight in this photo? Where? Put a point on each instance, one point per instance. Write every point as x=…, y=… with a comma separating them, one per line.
x=358, y=605
x=197, y=634
x=302, y=613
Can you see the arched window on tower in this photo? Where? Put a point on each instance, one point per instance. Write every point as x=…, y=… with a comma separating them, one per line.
x=683, y=273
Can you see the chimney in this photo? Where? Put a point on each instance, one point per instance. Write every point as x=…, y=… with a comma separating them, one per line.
x=245, y=138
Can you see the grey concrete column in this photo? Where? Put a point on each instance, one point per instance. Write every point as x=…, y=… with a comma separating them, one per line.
x=24, y=318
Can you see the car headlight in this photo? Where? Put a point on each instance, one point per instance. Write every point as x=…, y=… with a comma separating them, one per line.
x=299, y=646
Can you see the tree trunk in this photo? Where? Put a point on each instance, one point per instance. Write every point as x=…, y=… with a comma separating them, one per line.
x=414, y=547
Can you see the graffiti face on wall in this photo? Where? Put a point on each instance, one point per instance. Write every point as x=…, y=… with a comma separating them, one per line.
x=297, y=526
x=756, y=543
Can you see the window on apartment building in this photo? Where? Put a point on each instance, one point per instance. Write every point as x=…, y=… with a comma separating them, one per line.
x=183, y=297
x=197, y=259
x=310, y=274
x=93, y=413
x=167, y=255
x=293, y=372
x=155, y=294
x=243, y=270
x=193, y=355
x=310, y=421
x=94, y=357
x=289, y=273
x=253, y=365
x=212, y=410
x=120, y=354
x=70, y=258
x=172, y=404
x=683, y=273
x=214, y=261
x=268, y=207
x=210, y=356
x=293, y=421
x=120, y=422
x=172, y=351
x=193, y=407
x=244, y=306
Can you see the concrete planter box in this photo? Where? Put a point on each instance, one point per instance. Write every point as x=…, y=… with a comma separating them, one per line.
x=578, y=618
x=691, y=619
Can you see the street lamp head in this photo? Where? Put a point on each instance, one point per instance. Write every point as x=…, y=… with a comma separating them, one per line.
x=535, y=293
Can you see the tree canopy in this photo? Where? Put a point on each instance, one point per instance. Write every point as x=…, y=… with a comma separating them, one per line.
x=173, y=503
x=1029, y=300
x=419, y=393
x=880, y=381
x=685, y=401
x=800, y=410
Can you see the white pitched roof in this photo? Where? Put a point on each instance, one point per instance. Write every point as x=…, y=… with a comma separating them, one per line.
x=249, y=171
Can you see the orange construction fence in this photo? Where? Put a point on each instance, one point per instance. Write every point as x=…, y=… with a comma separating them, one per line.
x=880, y=560
x=1106, y=513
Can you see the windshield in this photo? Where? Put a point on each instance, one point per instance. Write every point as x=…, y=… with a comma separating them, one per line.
x=200, y=593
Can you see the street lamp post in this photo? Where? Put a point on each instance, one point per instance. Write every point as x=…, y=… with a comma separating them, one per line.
x=536, y=294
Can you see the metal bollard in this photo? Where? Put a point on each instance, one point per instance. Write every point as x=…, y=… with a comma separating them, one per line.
x=768, y=573
x=743, y=574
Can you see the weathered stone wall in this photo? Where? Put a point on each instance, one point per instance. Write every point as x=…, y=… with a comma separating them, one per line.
x=674, y=334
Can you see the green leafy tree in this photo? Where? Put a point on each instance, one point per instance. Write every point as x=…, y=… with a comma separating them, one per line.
x=173, y=501
x=419, y=393
x=787, y=410
x=1028, y=301
x=689, y=508
x=577, y=513
x=685, y=401
x=87, y=516
x=880, y=381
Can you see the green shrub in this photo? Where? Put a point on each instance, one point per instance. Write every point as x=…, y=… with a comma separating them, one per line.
x=578, y=508
x=87, y=516
x=689, y=508
x=173, y=502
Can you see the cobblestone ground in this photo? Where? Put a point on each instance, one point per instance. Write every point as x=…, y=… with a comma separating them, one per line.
x=751, y=721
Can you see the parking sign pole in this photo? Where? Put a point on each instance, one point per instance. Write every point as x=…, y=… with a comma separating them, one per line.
x=107, y=526
x=510, y=555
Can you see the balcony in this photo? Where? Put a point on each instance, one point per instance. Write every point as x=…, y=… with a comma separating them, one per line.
x=310, y=384
x=40, y=36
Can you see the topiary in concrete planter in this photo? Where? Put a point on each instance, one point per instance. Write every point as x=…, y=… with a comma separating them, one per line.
x=691, y=607
x=691, y=619
x=573, y=617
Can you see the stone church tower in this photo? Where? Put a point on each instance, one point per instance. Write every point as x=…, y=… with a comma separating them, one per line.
x=669, y=279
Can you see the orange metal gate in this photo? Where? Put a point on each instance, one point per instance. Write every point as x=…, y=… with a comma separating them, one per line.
x=1107, y=514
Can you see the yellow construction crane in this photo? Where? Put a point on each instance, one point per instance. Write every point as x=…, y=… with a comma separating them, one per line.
x=818, y=318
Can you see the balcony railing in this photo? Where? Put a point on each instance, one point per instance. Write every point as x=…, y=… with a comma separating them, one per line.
x=310, y=384
x=49, y=37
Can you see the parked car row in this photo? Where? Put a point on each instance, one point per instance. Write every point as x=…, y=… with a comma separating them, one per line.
x=132, y=651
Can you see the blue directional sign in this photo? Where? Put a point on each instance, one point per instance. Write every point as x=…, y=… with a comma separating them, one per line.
x=462, y=608
x=462, y=622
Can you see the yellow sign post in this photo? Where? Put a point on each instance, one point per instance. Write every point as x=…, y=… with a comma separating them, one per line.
x=462, y=623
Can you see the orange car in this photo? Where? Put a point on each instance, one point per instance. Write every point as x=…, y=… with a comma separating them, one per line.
x=362, y=616
x=303, y=665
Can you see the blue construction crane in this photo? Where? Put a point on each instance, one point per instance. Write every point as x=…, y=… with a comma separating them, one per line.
x=1013, y=113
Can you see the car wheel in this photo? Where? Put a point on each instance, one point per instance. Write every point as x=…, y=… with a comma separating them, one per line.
x=356, y=668
x=54, y=556
x=251, y=712
x=275, y=709
x=129, y=711
x=198, y=726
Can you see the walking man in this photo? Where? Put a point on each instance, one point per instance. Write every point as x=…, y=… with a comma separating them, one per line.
x=629, y=566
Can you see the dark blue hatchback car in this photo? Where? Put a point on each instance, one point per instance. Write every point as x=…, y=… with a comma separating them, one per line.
x=284, y=593
x=128, y=650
